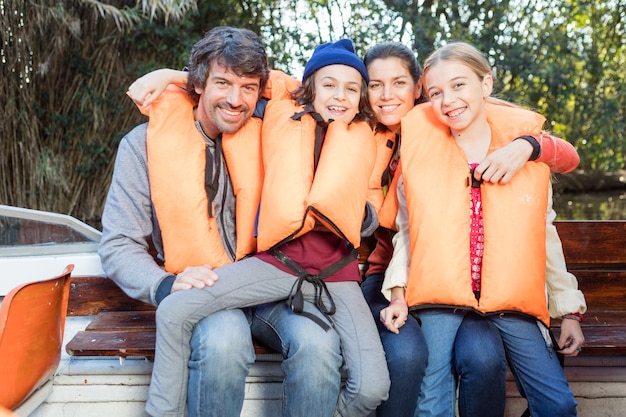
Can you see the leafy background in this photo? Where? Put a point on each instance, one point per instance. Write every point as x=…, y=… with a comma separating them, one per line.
x=65, y=65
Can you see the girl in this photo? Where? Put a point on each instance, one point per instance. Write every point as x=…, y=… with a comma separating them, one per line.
x=394, y=89
x=446, y=264
x=318, y=154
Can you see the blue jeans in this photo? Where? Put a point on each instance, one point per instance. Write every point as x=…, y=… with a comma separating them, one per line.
x=312, y=358
x=221, y=356
x=251, y=282
x=534, y=364
x=406, y=354
x=480, y=365
x=222, y=353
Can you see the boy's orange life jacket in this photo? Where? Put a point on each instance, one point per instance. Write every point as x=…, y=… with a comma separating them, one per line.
x=436, y=180
x=296, y=195
x=176, y=167
x=279, y=86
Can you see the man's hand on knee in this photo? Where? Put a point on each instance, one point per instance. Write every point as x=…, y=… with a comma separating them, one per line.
x=195, y=277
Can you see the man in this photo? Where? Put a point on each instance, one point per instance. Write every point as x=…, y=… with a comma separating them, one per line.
x=190, y=179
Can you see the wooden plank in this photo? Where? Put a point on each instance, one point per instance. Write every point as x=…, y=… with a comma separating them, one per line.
x=109, y=343
x=599, y=319
x=604, y=319
x=125, y=343
x=90, y=295
x=593, y=243
x=123, y=320
x=603, y=290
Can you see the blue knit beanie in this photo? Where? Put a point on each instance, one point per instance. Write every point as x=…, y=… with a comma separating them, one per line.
x=340, y=52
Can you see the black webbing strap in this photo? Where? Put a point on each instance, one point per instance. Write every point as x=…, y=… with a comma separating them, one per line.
x=296, y=299
x=320, y=130
x=211, y=178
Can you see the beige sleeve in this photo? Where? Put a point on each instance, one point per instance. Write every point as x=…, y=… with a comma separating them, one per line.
x=397, y=272
x=564, y=297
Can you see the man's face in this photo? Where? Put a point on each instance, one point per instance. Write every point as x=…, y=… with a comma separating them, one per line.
x=227, y=100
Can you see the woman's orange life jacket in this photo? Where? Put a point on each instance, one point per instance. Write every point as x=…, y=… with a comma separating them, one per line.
x=377, y=194
x=296, y=195
x=436, y=180
x=176, y=167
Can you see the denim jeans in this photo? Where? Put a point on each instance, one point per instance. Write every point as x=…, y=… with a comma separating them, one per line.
x=222, y=353
x=221, y=356
x=534, y=364
x=251, y=282
x=480, y=365
x=312, y=358
x=406, y=354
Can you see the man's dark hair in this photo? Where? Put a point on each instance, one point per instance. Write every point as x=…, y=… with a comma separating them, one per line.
x=240, y=50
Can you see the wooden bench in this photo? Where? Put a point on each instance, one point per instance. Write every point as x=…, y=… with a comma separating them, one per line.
x=121, y=326
x=595, y=251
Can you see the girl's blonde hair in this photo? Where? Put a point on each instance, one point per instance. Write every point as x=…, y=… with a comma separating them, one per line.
x=467, y=55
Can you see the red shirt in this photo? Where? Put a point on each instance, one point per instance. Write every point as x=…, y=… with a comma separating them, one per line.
x=315, y=251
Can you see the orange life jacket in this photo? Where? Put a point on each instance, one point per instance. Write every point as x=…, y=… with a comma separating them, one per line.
x=498, y=115
x=436, y=183
x=280, y=85
x=385, y=146
x=176, y=167
x=389, y=210
x=295, y=194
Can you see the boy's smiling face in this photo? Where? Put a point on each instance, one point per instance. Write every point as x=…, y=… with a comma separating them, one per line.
x=337, y=92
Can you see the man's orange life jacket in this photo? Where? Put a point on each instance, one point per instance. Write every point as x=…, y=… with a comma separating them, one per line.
x=176, y=167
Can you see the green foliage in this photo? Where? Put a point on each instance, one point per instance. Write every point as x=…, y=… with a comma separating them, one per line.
x=65, y=66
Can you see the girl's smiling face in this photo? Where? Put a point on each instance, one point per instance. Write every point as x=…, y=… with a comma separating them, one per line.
x=337, y=92
x=392, y=91
x=457, y=93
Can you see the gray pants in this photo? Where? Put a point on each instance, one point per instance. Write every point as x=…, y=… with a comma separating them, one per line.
x=252, y=282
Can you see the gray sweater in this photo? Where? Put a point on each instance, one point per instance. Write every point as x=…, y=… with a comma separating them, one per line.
x=129, y=220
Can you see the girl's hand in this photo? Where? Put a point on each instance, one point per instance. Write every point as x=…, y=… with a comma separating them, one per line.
x=571, y=339
x=503, y=163
x=147, y=88
x=394, y=316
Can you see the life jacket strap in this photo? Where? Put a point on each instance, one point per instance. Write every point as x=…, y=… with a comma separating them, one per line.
x=322, y=295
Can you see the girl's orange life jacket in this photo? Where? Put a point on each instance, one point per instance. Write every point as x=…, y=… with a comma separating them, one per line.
x=437, y=180
x=497, y=114
x=296, y=195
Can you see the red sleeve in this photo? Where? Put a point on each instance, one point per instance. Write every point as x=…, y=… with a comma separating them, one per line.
x=558, y=154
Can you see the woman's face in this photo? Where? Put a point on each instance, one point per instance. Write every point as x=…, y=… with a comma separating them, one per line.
x=337, y=92
x=392, y=91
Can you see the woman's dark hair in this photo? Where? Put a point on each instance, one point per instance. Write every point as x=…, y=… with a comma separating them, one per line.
x=240, y=50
